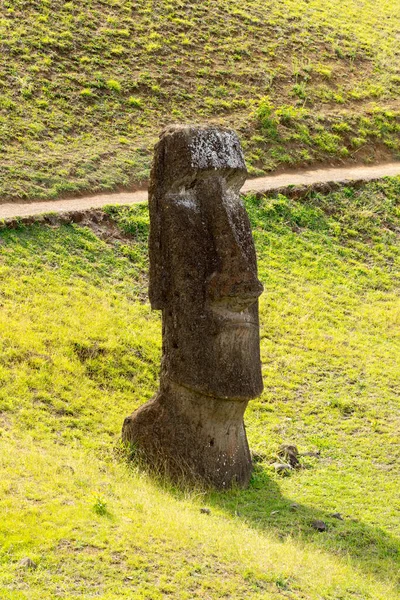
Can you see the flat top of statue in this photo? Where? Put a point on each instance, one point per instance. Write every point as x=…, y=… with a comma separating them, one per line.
x=188, y=152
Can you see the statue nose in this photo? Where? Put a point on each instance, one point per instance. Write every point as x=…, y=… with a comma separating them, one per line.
x=233, y=281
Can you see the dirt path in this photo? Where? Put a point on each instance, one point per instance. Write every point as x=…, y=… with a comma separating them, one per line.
x=261, y=184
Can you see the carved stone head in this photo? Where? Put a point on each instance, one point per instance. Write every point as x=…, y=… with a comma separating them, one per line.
x=203, y=272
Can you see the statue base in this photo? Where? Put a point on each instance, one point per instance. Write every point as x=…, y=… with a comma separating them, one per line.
x=188, y=436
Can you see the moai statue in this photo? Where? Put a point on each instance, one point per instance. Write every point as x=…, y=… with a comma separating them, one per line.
x=203, y=277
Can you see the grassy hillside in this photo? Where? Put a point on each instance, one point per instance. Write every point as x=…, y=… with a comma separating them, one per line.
x=86, y=86
x=80, y=349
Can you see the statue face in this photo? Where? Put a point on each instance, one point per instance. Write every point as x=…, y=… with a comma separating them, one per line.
x=203, y=269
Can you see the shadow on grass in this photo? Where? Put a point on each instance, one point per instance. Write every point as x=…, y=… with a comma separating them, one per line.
x=263, y=507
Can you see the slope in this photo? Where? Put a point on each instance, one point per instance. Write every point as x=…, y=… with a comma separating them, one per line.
x=80, y=350
x=86, y=86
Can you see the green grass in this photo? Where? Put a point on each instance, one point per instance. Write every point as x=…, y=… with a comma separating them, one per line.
x=80, y=349
x=86, y=86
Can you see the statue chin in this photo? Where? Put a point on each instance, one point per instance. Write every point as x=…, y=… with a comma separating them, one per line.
x=221, y=360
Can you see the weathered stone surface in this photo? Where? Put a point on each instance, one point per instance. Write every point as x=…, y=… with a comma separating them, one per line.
x=319, y=525
x=203, y=277
x=290, y=455
x=27, y=563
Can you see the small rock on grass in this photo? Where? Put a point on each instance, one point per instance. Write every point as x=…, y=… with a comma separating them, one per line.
x=27, y=563
x=337, y=515
x=315, y=454
x=205, y=511
x=319, y=525
x=290, y=455
x=282, y=468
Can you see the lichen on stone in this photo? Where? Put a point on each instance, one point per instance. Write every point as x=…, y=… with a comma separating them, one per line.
x=216, y=149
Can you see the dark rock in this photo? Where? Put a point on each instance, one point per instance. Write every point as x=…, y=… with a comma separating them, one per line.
x=316, y=454
x=337, y=515
x=27, y=563
x=203, y=277
x=290, y=455
x=282, y=468
x=319, y=525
